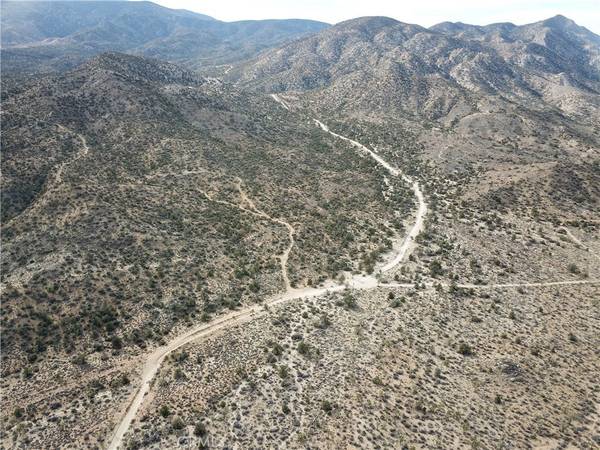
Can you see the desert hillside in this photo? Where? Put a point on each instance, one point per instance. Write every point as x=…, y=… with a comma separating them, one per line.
x=285, y=234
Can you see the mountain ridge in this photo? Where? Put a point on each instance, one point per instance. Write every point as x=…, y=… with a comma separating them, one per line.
x=57, y=36
x=500, y=59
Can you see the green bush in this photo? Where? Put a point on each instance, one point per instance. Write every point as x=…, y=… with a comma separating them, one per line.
x=27, y=372
x=348, y=301
x=177, y=423
x=465, y=349
x=303, y=348
x=199, y=429
x=164, y=411
x=116, y=342
x=435, y=267
x=283, y=372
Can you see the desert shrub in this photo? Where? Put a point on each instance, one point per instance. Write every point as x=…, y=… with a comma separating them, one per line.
x=116, y=342
x=180, y=357
x=348, y=301
x=164, y=411
x=323, y=322
x=465, y=349
x=277, y=349
x=397, y=302
x=303, y=348
x=79, y=360
x=177, y=423
x=121, y=380
x=435, y=267
x=283, y=371
x=199, y=429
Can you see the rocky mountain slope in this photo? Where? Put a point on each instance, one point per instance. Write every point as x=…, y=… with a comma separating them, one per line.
x=553, y=45
x=58, y=35
x=473, y=95
x=442, y=73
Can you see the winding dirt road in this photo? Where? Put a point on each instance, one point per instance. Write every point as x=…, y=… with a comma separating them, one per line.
x=579, y=243
x=408, y=242
x=517, y=285
x=234, y=318
x=248, y=313
x=156, y=358
x=81, y=153
x=283, y=258
x=252, y=209
x=281, y=101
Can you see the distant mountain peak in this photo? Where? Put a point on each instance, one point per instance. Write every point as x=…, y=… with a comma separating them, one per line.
x=373, y=25
x=369, y=20
x=560, y=21
x=367, y=24
x=562, y=24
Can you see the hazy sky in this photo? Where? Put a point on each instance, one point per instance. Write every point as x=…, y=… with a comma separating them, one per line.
x=422, y=12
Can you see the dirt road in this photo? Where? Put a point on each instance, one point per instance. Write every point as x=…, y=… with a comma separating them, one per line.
x=156, y=358
x=364, y=282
